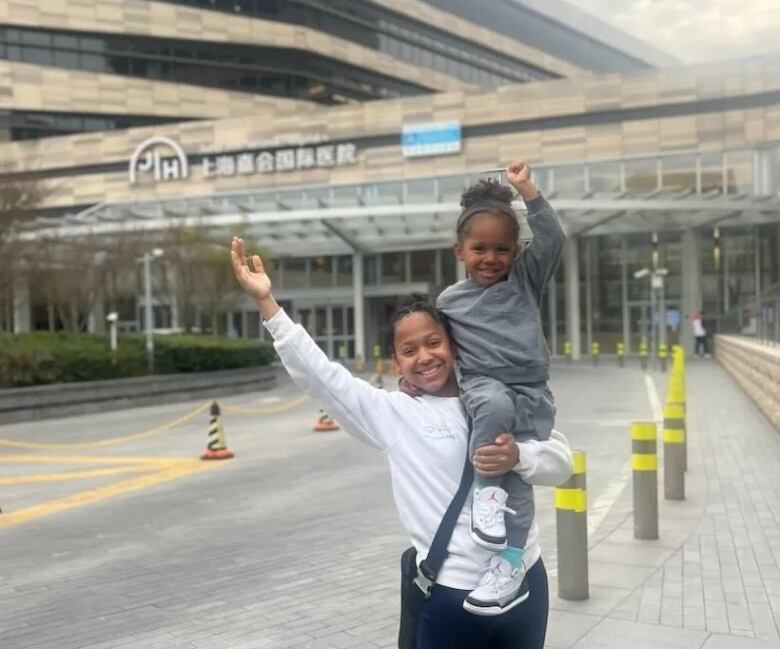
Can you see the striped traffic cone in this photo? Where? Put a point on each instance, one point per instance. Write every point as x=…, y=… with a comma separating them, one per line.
x=216, y=449
x=325, y=423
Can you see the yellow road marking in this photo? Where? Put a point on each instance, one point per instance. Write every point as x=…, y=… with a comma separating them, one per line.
x=93, y=459
x=115, y=440
x=165, y=474
x=241, y=410
x=35, y=478
x=157, y=429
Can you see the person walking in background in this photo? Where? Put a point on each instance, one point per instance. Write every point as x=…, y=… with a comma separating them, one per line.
x=700, y=334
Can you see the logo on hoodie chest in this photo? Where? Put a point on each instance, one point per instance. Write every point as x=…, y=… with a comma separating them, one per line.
x=437, y=433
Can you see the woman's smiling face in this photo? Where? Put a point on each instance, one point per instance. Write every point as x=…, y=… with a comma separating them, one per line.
x=423, y=353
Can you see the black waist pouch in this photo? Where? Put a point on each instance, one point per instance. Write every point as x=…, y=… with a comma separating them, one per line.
x=412, y=601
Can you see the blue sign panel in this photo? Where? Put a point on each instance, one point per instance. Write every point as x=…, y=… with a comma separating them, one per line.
x=430, y=139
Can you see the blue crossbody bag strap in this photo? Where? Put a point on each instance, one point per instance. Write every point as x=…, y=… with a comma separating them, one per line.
x=429, y=567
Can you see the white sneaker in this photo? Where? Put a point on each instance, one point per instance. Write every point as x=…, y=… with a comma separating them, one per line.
x=488, y=528
x=501, y=588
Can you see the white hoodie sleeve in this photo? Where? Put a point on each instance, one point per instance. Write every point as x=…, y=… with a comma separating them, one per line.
x=545, y=464
x=359, y=408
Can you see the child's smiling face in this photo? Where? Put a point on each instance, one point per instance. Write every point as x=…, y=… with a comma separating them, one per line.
x=488, y=248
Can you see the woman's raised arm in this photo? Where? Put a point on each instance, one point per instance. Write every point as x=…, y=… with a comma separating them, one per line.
x=362, y=410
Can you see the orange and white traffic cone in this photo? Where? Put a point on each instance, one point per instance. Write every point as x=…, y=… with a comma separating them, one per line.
x=216, y=449
x=325, y=423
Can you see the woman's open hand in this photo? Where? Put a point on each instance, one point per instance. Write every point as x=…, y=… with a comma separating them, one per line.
x=497, y=459
x=255, y=282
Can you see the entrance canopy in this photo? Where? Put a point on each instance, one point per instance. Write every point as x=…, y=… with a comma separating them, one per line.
x=671, y=192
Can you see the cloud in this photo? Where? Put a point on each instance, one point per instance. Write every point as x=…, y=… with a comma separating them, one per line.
x=696, y=30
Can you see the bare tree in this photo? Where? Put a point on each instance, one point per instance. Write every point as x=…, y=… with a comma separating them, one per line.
x=202, y=278
x=19, y=199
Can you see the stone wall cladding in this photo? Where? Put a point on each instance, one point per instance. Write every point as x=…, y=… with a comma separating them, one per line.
x=756, y=367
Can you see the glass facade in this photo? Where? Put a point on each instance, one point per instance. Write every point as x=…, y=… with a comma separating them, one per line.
x=528, y=26
x=399, y=36
x=28, y=125
x=244, y=68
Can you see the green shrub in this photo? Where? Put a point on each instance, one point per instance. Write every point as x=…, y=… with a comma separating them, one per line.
x=43, y=357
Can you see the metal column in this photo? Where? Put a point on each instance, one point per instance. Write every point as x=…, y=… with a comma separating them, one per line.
x=572, y=287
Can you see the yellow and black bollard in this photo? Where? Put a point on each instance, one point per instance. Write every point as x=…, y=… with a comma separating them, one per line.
x=567, y=351
x=571, y=517
x=216, y=448
x=662, y=354
x=674, y=452
x=643, y=355
x=620, y=349
x=644, y=465
x=675, y=395
x=595, y=351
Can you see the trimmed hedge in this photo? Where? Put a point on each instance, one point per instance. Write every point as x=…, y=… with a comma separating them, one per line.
x=60, y=357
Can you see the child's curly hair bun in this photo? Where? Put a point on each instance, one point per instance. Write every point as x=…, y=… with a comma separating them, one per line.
x=485, y=191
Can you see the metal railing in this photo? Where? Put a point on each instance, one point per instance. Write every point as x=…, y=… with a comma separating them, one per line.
x=757, y=317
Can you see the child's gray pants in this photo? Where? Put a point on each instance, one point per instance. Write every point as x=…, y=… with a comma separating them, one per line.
x=525, y=410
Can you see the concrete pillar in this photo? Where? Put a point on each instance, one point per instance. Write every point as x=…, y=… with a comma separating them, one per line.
x=571, y=271
x=96, y=320
x=691, y=287
x=765, y=172
x=21, y=303
x=589, y=294
x=626, y=315
x=460, y=271
x=358, y=305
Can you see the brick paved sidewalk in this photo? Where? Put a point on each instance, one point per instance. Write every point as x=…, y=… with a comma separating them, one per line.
x=712, y=580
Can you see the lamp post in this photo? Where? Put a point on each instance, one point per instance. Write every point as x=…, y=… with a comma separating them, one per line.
x=148, y=312
x=112, y=318
x=656, y=276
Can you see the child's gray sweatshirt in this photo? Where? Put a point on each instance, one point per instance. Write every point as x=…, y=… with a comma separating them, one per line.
x=498, y=328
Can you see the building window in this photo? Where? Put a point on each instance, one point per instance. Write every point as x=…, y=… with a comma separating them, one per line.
x=423, y=265
x=295, y=273
x=321, y=271
x=393, y=270
x=344, y=270
x=370, y=270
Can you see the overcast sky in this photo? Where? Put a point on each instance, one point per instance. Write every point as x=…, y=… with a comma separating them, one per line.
x=696, y=30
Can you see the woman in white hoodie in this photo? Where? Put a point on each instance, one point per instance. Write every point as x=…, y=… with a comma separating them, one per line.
x=425, y=441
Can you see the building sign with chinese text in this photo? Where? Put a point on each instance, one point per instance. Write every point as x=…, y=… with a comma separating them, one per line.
x=161, y=159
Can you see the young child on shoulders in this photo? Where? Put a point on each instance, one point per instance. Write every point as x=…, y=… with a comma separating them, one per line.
x=503, y=361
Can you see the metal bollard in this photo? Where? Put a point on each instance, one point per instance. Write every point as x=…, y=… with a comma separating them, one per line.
x=644, y=463
x=674, y=452
x=676, y=395
x=595, y=350
x=571, y=516
x=643, y=355
x=662, y=354
x=621, y=354
x=567, y=351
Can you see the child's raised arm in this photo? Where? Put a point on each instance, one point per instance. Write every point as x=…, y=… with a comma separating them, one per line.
x=541, y=257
